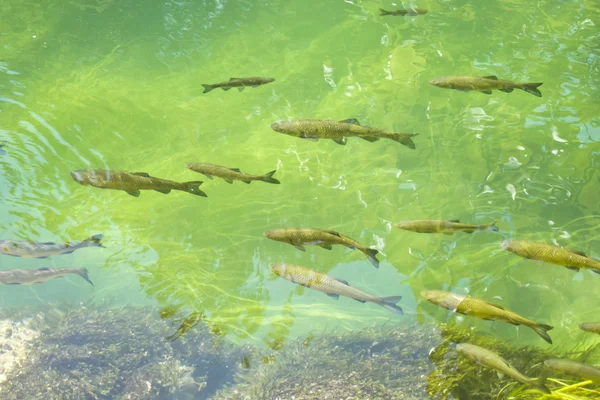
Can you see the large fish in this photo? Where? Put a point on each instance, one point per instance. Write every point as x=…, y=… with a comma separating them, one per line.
x=410, y=11
x=492, y=360
x=592, y=327
x=239, y=83
x=298, y=237
x=39, y=275
x=338, y=131
x=29, y=249
x=571, y=259
x=132, y=182
x=482, y=309
x=484, y=84
x=443, y=226
x=574, y=368
x=230, y=174
x=331, y=286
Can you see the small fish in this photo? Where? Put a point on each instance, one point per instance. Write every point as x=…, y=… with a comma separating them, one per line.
x=571, y=259
x=574, y=368
x=339, y=131
x=132, y=182
x=230, y=174
x=592, y=327
x=298, y=237
x=410, y=11
x=482, y=309
x=39, y=275
x=484, y=84
x=443, y=226
x=29, y=249
x=239, y=83
x=331, y=286
x=492, y=360
x=2, y=151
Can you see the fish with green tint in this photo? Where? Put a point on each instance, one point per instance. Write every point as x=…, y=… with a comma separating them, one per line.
x=230, y=174
x=339, y=131
x=29, y=249
x=39, y=275
x=331, y=286
x=571, y=259
x=492, y=360
x=443, y=226
x=574, y=368
x=485, y=84
x=482, y=309
x=132, y=182
x=240, y=83
x=403, y=12
x=298, y=237
x=592, y=327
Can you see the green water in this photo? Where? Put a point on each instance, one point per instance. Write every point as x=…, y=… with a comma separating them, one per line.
x=109, y=84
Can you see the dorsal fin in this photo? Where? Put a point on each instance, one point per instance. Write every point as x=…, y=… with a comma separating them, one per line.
x=494, y=77
x=579, y=253
x=235, y=169
x=144, y=174
x=345, y=282
x=44, y=269
x=455, y=220
x=333, y=233
x=493, y=305
x=352, y=121
x=232, y=79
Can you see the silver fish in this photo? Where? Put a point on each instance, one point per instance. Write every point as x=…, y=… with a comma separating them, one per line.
x=39, y=275
x=29, y=249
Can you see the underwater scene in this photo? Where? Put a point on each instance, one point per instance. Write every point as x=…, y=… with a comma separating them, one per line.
x=282, y=199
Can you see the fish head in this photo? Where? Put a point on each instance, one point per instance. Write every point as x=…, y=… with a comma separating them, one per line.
x=442, y=298
x=441, y=82
x=82, y=176
x=287, y=127
x=406, y=225
x=268, y=80
x=509, y=245
x=279, y=235
x=278, y=268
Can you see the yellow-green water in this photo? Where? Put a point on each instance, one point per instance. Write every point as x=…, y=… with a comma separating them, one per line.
x=117, y=84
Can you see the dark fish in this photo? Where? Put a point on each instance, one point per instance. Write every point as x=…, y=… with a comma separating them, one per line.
x=573, y=368
x=239, y=83
x=39, y=275
x=298, y=237
x=410, y=11
x=443, y=226
x=331, y=286
x=29, y=249
x=485, y=84
x=230, y=174
x=132, y=182
x=592, y=327
x=338, y=131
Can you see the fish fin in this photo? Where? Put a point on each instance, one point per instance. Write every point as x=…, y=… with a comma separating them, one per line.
x=494, y=77
x=390, y=304
x=312, y=139
x=144, y=174
x=334, y=233
x=494, y=305
x=574, y=269
x=326, y=246
x=268, y=177
x=500, y=375
x=405, y=139
x=469, y=231
x=235, y=169
x=96, y=240
x=208, y=176
x=532, y=88
x=134, y=193
x=44, y=269
x=165, y=191
x=486, y=91
x=579, y=253
x=595, y=270
x=207, y=88
x=247, y=181
x=299, y=247
x=194, y=188
x=352, y=121
x=41, y=257
x=226, y=88
x=335, y=296
x=370, y=138
x=241, y=88
x=492, y=226
x=371, y=255
x=361, y=301
x=83, y=272
x=383, y=12
x=345, y=282
x=341, y=141
x=506, y=90
x=228, y=180
x=541, y=329
x=456, y=221
x=233, y=79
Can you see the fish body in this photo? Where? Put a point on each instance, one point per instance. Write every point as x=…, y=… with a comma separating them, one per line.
x=573, y=368
x=484, y=84
x=132, y=182
x=29, y=249
x=298, y=237
x=492, y=360
x=230, y=174
x=571, y=259
x=482, y=309
x=331, y=286
x=403, y=12
x=39, y=275
x=592, y=327
x=443, y=226
x=339, y=131
x=239, y=83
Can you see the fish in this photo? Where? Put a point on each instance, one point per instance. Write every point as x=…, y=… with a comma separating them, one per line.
x=482, y=309
x=574, y=368
x=331, y=286
x=571, y=259
x=2, y=151
x=443, y=226
x=492, y=360
x=39, y=275
x=239, y=83
x=298, y=237
x=132, y=182
x=592, y=327
x=231, y=174
x=485, y=84
x=410, y=11
x=339, y=131
x=29, y=249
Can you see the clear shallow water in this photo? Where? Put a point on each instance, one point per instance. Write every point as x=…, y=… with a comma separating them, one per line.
x=118, y=85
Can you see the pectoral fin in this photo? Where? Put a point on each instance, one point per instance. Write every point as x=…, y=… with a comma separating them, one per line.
x=299, y=247
x=341, y=141
x=335, y=296
x=207, y=175
x=352, y=121
x=312, y=139
x=574, y=269
x=486, y=91
x=228, y=180
x=134, y=193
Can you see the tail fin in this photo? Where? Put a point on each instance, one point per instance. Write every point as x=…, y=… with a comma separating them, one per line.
x=404, y=138
x=371, y=255
x=268, y=177
x=207, y=88
x=95, y=241
x=492, y=227
x=540, y=383
x=83, y=272
x=194, y=188
x=532, y=88
x=390, y=304
x=383, y=12
x=541, y=330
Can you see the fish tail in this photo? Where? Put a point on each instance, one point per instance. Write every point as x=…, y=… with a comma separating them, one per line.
x=389, y=303
x=532, y=88
x=383, y=12
x=207, y=88
x=372, y=256
x=194, y=188
x=404, y=138
x=268, y=177
x=541, y=330
x=95, y=240
x=83, y=272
